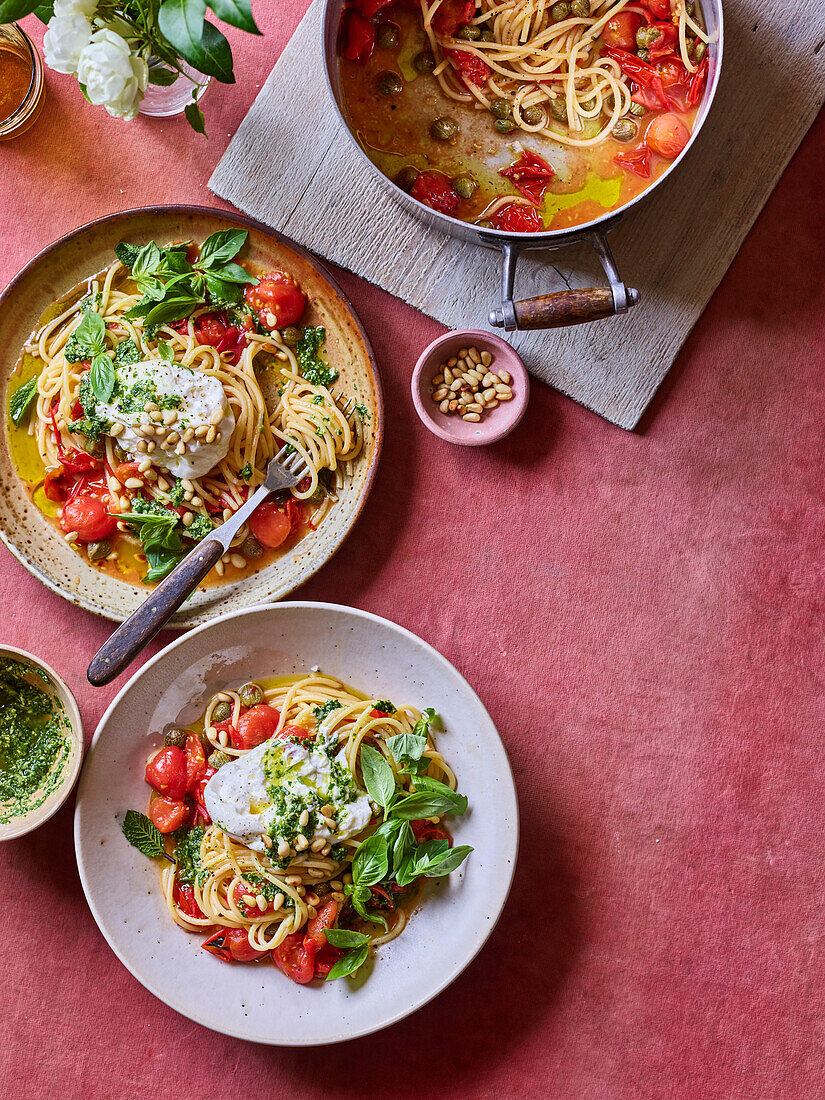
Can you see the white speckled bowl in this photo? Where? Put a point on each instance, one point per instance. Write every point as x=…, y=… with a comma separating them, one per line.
x=59, y=690
x=258, y=1002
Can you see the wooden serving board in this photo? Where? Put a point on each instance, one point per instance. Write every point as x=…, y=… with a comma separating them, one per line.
x=307, y=181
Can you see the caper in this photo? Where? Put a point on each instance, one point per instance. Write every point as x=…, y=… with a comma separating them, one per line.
x=291, y=336
x=387, y=36
x=637, y=109
x=217, y=759
x=424, y=62
x=560, y=11
x=700, y=49
x=407, y=177
x=533, y=116
x=389, y=84
x=445, y=128
x=251, y=548
x=643, y=55
x=625, y=130
x=469, y=33
x=97, y=551
x=558, y=109
x=504, y=125
x=501, y=108
x=646, y=36
x=465, y=186
x=580, y=8
x=221, y=712
x=176, y=738
x=251, y=695
x=487, y=36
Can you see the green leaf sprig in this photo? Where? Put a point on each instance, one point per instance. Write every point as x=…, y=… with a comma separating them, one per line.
x=357, y=946
x=88, y=341
x=143, y=834
x=21, y=401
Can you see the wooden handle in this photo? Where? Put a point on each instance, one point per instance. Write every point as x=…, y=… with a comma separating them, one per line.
x=568, y=307
x=128, y=640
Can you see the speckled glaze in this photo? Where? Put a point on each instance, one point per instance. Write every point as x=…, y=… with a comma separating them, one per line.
x=36, y=542
x=258, y=1002
x=58, y=689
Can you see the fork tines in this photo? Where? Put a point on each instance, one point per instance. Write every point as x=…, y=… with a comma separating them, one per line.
x=293, y=463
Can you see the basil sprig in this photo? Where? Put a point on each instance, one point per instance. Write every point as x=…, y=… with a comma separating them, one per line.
x=357, y=946
x=172, y=287
x=88, y=341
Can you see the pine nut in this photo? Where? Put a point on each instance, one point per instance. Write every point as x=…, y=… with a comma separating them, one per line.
x=465, y=399
x=504, y=376
x=117, y=429
x=125, y=504
x=225, y=559
x=451, y=362
x=227, y=514
x=336, y=884
x=489, y=380
x=151, y=406
x=150, y=447
x=440, y=394
x=188, y=434
x=500, y=387
x=452, y=405
x=156, y=415
x=317, y=844
x=474, y=408
x=219, y=568
x=134, y=483
x=261, y=902
x=201, y=430
x=145, y=465
x=114, y=485
x=488, y=393
x=238, y=560
x=163, y=485
x=471, y=416
x=187, y=519
x=462, y=353
x=150, y=475
x=283, y=849
x=210, y=435
x=492, y=403
x=216, y=417
x=455, y=385
x=293, y=880
x=505, y=396
x=70, y=536
x=190, y=488
x=312, y=912
x=170, y=416
x=444, y=406
x=301, y=842
x=304, y=818
x=172, y=439
x=438, y=378
x=277, y=901
x=249, y=899
x=331, y=824
x=486, y=358
x=142, y=446
x=223, y=738
x=180, y=449
x=474, y=355
x=337, y=896
x=448, y=376
x=266, y=839
x=271, y=319
x=196, y=502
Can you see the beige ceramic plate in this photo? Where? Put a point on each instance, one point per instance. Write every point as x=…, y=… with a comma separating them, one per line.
x=60, y=267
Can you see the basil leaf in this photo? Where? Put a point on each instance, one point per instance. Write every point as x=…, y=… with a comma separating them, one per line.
x=404, y=844
x=222, y=292
x=195, y=117
x=44, y=12
x=143, y=834
x=102, y=376
x=147, y=260
x=371, y=861
x=406, y=747
x=405, y=871
x=424, y=722
x=234, y=273
x=237, y=13
x=21, y=401
x=429, y=804
x=351, y=962
x=378, y=776
x=183, y=23
x=454, y=858
x=342, y=937
x=161, y=563
x=171, y=309
x=221, y=247
x=91, y=332
x=166, y=351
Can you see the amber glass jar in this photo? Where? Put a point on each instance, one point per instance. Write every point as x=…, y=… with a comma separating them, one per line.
x=21, y=81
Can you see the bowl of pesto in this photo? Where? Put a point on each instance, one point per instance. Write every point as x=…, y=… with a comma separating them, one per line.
x=41, y=742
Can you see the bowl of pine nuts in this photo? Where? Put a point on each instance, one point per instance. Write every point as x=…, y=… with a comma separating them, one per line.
x=470, y=387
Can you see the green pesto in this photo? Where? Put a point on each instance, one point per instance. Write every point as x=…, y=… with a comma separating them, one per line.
x=34, y=741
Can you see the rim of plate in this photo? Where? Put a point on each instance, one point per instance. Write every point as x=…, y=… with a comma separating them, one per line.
x=482, y=934
x=308, y=570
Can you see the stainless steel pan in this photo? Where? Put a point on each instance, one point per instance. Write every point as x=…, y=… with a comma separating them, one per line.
x=570, y=307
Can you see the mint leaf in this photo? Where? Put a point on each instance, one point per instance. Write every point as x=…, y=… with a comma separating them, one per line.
x=378, y=776
x=351, y=962
x=127, y=253
x=143, y=834
x=21, y=401
x=342, y=937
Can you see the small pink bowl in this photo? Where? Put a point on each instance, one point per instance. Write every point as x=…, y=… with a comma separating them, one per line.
x=496, y=423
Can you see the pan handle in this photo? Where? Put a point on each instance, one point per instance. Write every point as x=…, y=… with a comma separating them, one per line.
x=567, y=307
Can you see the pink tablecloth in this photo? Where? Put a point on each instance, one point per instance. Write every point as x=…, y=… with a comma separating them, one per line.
x=643, y=616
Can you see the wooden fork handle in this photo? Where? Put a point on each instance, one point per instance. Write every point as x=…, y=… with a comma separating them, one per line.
x=128, y=640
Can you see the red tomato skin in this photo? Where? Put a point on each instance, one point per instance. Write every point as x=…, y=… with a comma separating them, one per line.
x=278, y=294
x=453, y=14
x=125, y=470
x=434, y=190
x=297, y=732
x=667, y=135
x=470, y=68
x=256, y=726
x=88, y=517
x=425, y=830
x=325, y=917
x=57, y=484
x=621, y=30
x=166, y=772
x=197, y=794
x=270, y=524
x=242, y=888
x=184, y=897
x=195, y=761
x=515, y=218
x=209, y=330
x=168, y=814
x=295, y=958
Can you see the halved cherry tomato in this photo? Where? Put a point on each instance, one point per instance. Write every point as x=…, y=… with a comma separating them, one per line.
x=88, y=517
x=636, y=160
x=197, y=795
x=621, y=30
x=470, y=68
x=166, y=772
x=297, y=732
x=242, y=888
x=379, y=713
x=278, y=294
x=296, y=958
x=667, y=135
x=195, y=761
x=424, y=830
x=270, y=523
x=185, y=900
x=359, y=37
x=659, y=8
x=530, y=174
x=697, y=83
x=435, y=191
x=667, y=42
x=451, y=15
x=324, y=918
x=325, y=958
x=168, y=813
x=256, y=726
x=232, y=945
x=57, y=484
x=371, y=8
x=517, y=218
x=125, y=470
x=210, y=329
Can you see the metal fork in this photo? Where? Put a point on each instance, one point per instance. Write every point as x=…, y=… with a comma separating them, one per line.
x=284, y=471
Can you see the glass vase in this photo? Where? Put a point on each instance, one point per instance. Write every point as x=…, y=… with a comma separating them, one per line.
x=165, y=100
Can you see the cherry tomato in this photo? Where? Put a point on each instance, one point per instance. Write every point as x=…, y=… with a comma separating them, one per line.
x=57, y=484
x=621, y=30
x=435, y=191
x=659, y=8
x=278, y=294
x=425, y=830
x=209, y=330
x=451, y=15
x=517, y=218
x=295, y=958
x=88, y=517
x=232, y=945
x=166, y=772
x=325, y=917
x=225, y=726
x=126, y=470
x=168, y=813
x=195, y=761
x=667, y=135
x=297, y=732
x=666, y=43
x=256, y=726
x=325, y=958
x=470, y=68
x=242, y=888
x=197, y=794
x=185, y=900
x=270, y=523
x=359, y=38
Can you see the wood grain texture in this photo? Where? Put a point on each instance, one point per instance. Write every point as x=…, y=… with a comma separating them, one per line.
x=565, y=307
x=308, y=182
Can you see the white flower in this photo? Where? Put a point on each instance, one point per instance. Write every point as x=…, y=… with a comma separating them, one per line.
x=75, y=7
x=66, y=37
x=112, y=76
